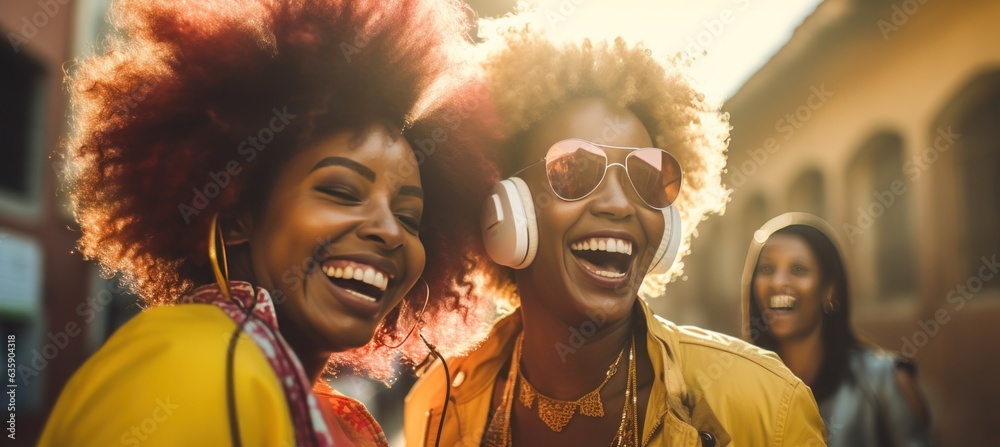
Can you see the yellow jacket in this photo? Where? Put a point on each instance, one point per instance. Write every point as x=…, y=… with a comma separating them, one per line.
x=711, y=386
x=160, y=381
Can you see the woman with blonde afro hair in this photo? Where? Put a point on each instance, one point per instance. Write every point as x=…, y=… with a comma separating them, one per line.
x=284, y=183
x=613, y=158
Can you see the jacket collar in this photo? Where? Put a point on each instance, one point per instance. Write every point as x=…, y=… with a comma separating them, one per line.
x=671, y=408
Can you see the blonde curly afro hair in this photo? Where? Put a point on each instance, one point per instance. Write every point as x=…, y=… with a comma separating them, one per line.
x=530, y=76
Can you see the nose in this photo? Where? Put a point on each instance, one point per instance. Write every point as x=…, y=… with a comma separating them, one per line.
x=611, y=199
x=780, y=279
x=382, y=227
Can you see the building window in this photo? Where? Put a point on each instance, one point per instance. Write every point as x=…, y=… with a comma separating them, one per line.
x=808, y=194
x=978, y=152
x=881, y=227
x=108, y=306
x=21, y=81
x=22, y=317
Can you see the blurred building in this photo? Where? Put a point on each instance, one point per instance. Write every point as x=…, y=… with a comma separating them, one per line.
x=56, y=306
x=883, y=118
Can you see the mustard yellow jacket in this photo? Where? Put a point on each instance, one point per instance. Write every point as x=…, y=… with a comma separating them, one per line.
x=712, y=389
x=160, y=381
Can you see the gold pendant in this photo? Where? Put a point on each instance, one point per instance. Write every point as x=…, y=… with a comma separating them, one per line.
x=557, y=413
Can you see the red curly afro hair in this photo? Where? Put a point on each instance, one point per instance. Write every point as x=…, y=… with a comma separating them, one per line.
x=182, y=84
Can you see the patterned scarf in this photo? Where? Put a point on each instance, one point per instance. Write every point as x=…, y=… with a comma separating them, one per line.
x=311, y=423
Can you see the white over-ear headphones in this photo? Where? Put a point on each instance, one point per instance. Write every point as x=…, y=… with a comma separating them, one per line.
x=510, y=231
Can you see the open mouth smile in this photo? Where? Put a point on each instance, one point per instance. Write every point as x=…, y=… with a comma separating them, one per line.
x=607, y=259
x=364, y=282
x=782, y=302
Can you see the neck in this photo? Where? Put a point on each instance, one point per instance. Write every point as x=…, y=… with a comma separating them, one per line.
x=313, y=360
x=565, y=361
x=803, y=356
x=314, y=364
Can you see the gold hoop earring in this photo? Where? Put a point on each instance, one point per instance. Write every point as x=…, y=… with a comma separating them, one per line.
x=830, y=307
x=221, y=274
x=419, y=318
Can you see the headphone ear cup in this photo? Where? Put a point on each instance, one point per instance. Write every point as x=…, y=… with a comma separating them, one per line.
x=510, y=232
x=670, y=243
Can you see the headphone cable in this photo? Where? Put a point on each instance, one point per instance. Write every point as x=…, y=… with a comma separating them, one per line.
x=447, y=388
x=234, y=423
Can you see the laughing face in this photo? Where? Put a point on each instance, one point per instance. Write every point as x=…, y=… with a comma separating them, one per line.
x=789, y=288
x=594, y=252
x=339, y=238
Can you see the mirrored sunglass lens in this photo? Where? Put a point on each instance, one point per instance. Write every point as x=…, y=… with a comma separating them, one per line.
x=574, y=168
x=656, y=176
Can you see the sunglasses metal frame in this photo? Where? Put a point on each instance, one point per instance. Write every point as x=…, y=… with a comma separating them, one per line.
x=607, y=165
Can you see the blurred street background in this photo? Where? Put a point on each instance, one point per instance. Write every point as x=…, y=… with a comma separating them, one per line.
x=882, y=117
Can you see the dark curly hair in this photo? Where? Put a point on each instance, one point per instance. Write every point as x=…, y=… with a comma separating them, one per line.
x=170, y=102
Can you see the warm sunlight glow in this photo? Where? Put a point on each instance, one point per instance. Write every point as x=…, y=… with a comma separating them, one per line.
x=729, y=39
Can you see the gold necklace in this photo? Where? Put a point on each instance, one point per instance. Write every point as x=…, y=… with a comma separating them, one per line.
x=630, y=410
x=498, y=433
x=557, y=413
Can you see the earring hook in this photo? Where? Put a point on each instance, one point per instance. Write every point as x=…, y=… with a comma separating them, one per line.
x=419, y=319
x=221, y=274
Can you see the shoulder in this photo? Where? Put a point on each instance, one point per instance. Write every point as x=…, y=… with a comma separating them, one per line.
x=468, y=389
x=702, y=350
x=879, y=370
x=185, y=339
x=474, y=371
x=749, y=389
x=874, y=362
x=892, y=378
x=166, y=365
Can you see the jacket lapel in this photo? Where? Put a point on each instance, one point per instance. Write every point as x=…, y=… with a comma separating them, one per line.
x=677, y=419
x=673, y=418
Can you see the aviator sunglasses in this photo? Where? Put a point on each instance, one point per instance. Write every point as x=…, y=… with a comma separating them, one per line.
x=575, y=168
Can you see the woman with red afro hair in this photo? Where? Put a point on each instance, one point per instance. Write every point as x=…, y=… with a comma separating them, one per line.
x=271, y=177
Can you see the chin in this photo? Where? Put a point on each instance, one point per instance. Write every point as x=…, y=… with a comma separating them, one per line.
x=346, y=338
x=603, y=307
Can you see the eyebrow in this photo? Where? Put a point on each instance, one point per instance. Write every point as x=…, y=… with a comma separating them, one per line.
x=347, y=163
x=410, y=190
x=793, y=261
x=406, y=190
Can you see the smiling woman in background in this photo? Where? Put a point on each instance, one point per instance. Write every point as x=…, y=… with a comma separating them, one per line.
x=273, y=198
x=610, y=153
x=796, y=301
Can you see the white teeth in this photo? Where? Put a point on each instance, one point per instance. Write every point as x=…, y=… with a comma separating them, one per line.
x=368, y=275
x=361, y=295
x=608, y=274
x=610, y=245
x=782, y=301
